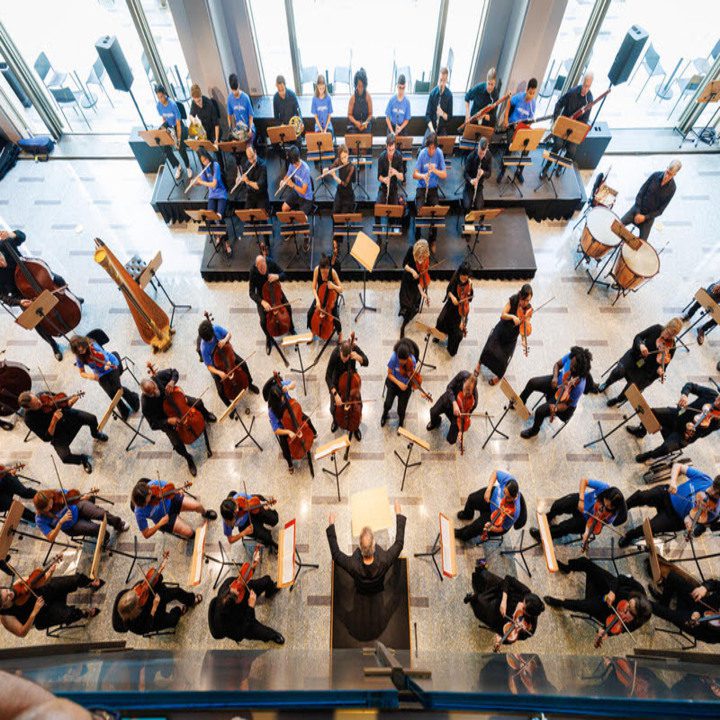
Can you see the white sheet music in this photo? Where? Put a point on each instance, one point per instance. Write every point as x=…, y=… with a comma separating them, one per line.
x=447, y=539
x=288, y=566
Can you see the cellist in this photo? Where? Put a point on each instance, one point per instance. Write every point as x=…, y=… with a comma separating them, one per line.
x=249, y=515
x=266, y=270
x=453, y=317
x=154, y=393
x=325, y=279
x=459, y=400
x=344, y=358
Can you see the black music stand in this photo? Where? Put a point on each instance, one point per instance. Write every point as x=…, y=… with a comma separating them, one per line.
x=383, y=231
x=344, y=225
x=224, y=562
x=357, y=142
x=412, y=441
x=365, y=250
x=475, y=226
x=514, y=403
x=231, y=410
x=431, y=216
x=134, y=556
x=162, y=138
x=214, y=227
x=567, y=131
x=295, y=341
x=471, y=137
x=525, y=141
x=709, y=307
x=429, y=331
x=521, y=550
x=280, y=135
x=332, y=449
x=320, y=148
x=257, y=223
x=432, y=554
x=295, y=225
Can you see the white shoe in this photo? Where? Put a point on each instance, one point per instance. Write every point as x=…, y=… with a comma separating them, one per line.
x=178, y=171
x=189, y=173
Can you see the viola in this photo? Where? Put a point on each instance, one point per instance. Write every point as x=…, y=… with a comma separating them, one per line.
x=409, y=370
x=497, y=517
x=60, y=500
x=11, y=469
x=14, y=379
x=191, y=423
x=464, y=295
x=57, y=401
x=322, y=322
x=24, y=588
x=158, y=494
x=236, y=379
x=146, y=586
x=348, y=414
x=638, y=686
x=513, y=628
x=292, y=419
x=277, y=319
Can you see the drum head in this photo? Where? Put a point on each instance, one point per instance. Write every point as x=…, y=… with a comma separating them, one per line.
x=644, y=261
x=599, y=225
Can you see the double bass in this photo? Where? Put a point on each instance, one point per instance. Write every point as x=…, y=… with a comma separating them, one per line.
x=292, y=419
x=277, y=319
x=322, y=322
x=348, y=412
x=236, y=379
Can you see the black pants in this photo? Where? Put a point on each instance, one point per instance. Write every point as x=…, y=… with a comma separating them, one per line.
x=467, y=199
x=543, y=385
x=443, y=406
x=385, y=198
x=424, y=197
x=69, y=430
x=285, y=443
x=164, y=618
x=644, y=228
x=392, y=391
x=177, y=444
x=110, y=383
x=666, y=519
x=598, y=582
x=487, y=589
x=705, y=327
x=87, y=512
x=10, y=485
x=619, y=372
x=254, y=629
x=575, y=524
x=56, y=610
x=170, y=150
x=264, y=516
x=476, y=503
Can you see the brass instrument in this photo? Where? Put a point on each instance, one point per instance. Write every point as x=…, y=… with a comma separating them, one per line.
x=196, y=129
x=241, y=132
x=151, y=320
x=297, y=124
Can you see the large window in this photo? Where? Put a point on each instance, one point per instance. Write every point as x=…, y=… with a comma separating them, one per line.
x=272, y=40
x=462, y=33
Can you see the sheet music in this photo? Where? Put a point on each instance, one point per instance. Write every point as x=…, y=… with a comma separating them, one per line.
x=447, y=540
x=287, y=570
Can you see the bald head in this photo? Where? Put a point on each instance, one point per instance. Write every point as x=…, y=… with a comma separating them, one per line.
x=261, y=264
x=367, y=543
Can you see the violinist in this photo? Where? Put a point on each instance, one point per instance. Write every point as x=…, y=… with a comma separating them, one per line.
x=343, y=359
x=155, y=390
x=390, y=172
x=266, y=270
x=10, y=486
x=159, y=501
x=453, y=317
x=500, y=345
x=646, y=361
x=499, y=602
x=500, y=504
x=562, y=390
x=232, y=613
x=478, y=167
x=696, y=415
x=57, y=422
x=429, y=170
x=690, y=506
x=400, y=369
x=46, y=604
x=104, y=368
x=214, y=337
x=411, y=284
x=325, y=279
x=254, y=177
x=606, y=597
x=456, y=404
x=276, y=399
x=73, y=513
x=249, y=515
x=713, y=290
x=594, y=506
x=298, y=193
x=342, y=171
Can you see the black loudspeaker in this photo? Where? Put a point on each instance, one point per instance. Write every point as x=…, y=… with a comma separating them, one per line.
x=116, y=65
x=628, y=54
x=592, y=148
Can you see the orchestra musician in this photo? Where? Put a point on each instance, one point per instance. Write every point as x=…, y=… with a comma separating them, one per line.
x=255, y=180
x=439, y=107
x=713, y=290
x=562, y=389
x=520, y=109
x=249, y=515
x=104, y=367
x=500, y=345
x=453, y=317
x=298, y=193
x=390, y=172
x=240, y=111
x=429, y=170
x=646, y=360
x=397, y=383
x=691, y=506
x=285, y=102
x=606, y=595
x=482, y=95
x=57, y=422
x=154, y=393
x=501, y=507
x=57, y=510
x=447, y=404
x=325, y=273
x=411, y=289
x=206, y=111
x=342, y=171
x=398, y=111
x=322, y=107
x=263, y=271
x=360, y=107
x=652, y=199
x=594, y=500
x=344, y=358
x=10, y=486
x=478, y=167
x=369, y=564
x=172, y=120
x=211, y=177
x=493, y=600
x=682, y=425
x=161, y=502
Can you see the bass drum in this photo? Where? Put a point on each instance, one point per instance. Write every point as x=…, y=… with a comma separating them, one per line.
x=634, y=267
x=14, y=379
x=597, y=237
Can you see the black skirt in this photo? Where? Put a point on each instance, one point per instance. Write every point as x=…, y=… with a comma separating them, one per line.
x=500, y=347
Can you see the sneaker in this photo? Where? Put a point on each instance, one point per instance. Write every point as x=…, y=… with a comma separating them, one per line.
x=534, y=533
x=189, y=173
x=210, y=515
x=100, y=437
x=87, y=464
x=192, y=467
x=637, y=430
x=178, y=172
x=528, y=433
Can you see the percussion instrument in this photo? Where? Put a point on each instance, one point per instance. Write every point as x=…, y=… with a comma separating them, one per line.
x=597, y=237
x=634, y=267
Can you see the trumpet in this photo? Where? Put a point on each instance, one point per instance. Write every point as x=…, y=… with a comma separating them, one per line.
x=286, y=180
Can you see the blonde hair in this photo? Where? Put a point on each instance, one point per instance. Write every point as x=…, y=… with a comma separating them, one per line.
x=421, y=250
x=444, y=71
x=195, y=91
x=128, y=606
x=674, y=326
x=320, y=81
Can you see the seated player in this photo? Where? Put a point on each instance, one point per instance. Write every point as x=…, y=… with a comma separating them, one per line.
x=343, y=358
x=250, y=524
x=298, y=194
x=464, y=383
x=713, y=290
x=429, y=170
x=390, y=172
x=266, y=270
x=11, y=486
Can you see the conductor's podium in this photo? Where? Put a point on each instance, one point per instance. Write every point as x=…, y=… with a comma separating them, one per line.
x=358, y=619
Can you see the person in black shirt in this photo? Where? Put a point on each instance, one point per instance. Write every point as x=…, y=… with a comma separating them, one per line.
x=255, y=181
x=439, y=107
x=285, y=105
x=343, y=358
x=343, y=171
x=206, y=111
x=360, y=108
x=389, y=158
x=411, y=291
x=478, y=167
x=60, y=427
x=266, y=270
x=447, y=404
x=153, y=397
x=450, y=321
x=652, y=199
x=11, y=486
x=482, y=95
x=713, y=290
x=325, y=273
x=369, y=564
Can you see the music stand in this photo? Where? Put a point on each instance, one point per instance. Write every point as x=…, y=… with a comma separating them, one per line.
x=383, y=231
x=366, y=252
x=233, y=146
x=709, y=94
x=320, y=148
x=281, y=134
x=357, y=142
x=431, y=216
x=161, y=138
x=472, y=134
x=296, y=341
x=38, y=311
x=10, y=528
x=232, y=408
x=290, y=563
x=412, y=441
x=212, y=230
x=445, y=545
x=256, y=221
x=641, y=408
x=198, y=555
x=332, y=448
x=709, y=306
x=475, y=226
x=294, y=224
x=567, y=131
x=344, y=225
x=514, y=403
x=429, y=332
x=524, y=141
x=97, y=553
x=404, y=144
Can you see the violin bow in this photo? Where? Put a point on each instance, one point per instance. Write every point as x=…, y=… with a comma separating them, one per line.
x=22, y=580
x=197, y=400
x=622, y=622
x=57, y=474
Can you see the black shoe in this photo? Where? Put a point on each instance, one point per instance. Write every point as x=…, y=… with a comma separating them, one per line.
x=553, y=601
x=563, y=567
x=87, y=464
x=717, y=367
x=57, y=352
x=520, y=179
x=100, y=437
x=268, y=346
x=383, y=420
x=685, y=318
x=192, y=467
x=624, y=541
x=527, y=434
x=254, y=389
x=642, y=457
x=431, y=426
x=210, y=515
x=358, y=435
x=602, y=387
x=333, y=427
x=612, y=402
x=210, y=417
x=468, y=598
x=278, y=639
x=534, y=533
x=464, y=515
x=80, y=300
x=655, y=591
x=637, y=430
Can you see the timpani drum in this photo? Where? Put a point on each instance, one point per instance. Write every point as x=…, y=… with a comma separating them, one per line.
x=597, y=237
x=634, y=267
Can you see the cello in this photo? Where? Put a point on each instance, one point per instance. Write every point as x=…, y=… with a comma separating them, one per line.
x=466, y=405
x=224, y=359
x=14, y=379
x=292, y=419
x=348, y=413
x=277, y=319
x=322, y=322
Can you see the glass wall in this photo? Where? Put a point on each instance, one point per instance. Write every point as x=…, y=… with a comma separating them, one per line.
x=462, y=32
x=272, y=40
x=22, y=104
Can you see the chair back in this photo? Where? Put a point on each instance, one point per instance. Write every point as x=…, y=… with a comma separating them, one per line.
x=214, y=631
x=42, y=65
x=651, y=59
x=450, y=62
x=63, y=95
x=99, y=336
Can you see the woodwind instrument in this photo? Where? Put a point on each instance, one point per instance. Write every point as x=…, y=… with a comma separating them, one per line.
x=286, y=180
x=151, y=320
x=477, y=184
x=241, y=177
x=197, y=178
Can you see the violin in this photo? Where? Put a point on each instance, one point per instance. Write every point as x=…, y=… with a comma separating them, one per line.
x=240, y=584
x=292, y=419
x=705, y=505
x=409, y=370
x=277, y=320
x=146, y=586
x=595, y=523
x=423, y=271
x=158, y=494
x=254, y=504
x=513, y=628
x=614, y=623
x=562, y=394
x=348, y=413
x=236, y=379
x=11, y=469
x=525, y=327
x=497, y=517
x=191, y=423
x=24, y=588
x=636, y=685
x=664, y=354
x=322, y=322
x=60, y=500
x=464, y=295
x=14, y=379
x=57, y=401
x=704, y=418
x=466, y=404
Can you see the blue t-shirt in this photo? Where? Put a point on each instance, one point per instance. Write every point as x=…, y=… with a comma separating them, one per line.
x=683, y=501
x=521, y=109
x=425, y=159
x=241, y=520
x=97, y=360
x=47, y=523
x=498, y=492
x=594, y=488
x=240, y=108
x=275, y=423
x=152, y=512
x=208, y=348
x=398, y=111
x=212, y=172
x=301, y=177
x=322, y=108
x=577, y=392
x=394, y=367
x=169, y=113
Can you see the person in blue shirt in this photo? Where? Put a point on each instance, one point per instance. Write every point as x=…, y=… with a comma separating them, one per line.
x=170, y=113
x=562, y=389
x=677, y=505
x=397, y=380
x=164, y=513
x=239, y=111
x=429, y=170
x=211, y=178
x=502, y=491
x=521, y=108
x=580, y=506
x=249, y=524
x=298, y=193
x=103, y=367
x=398, y=112
x=322, y=107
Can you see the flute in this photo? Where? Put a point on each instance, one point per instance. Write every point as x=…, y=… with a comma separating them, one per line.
x=286, y=180
x=197, y=178
x=477, y=184
x=331, y=169
x=241, y=176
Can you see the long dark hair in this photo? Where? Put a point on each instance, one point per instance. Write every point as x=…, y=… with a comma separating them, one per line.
x=360, y=76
